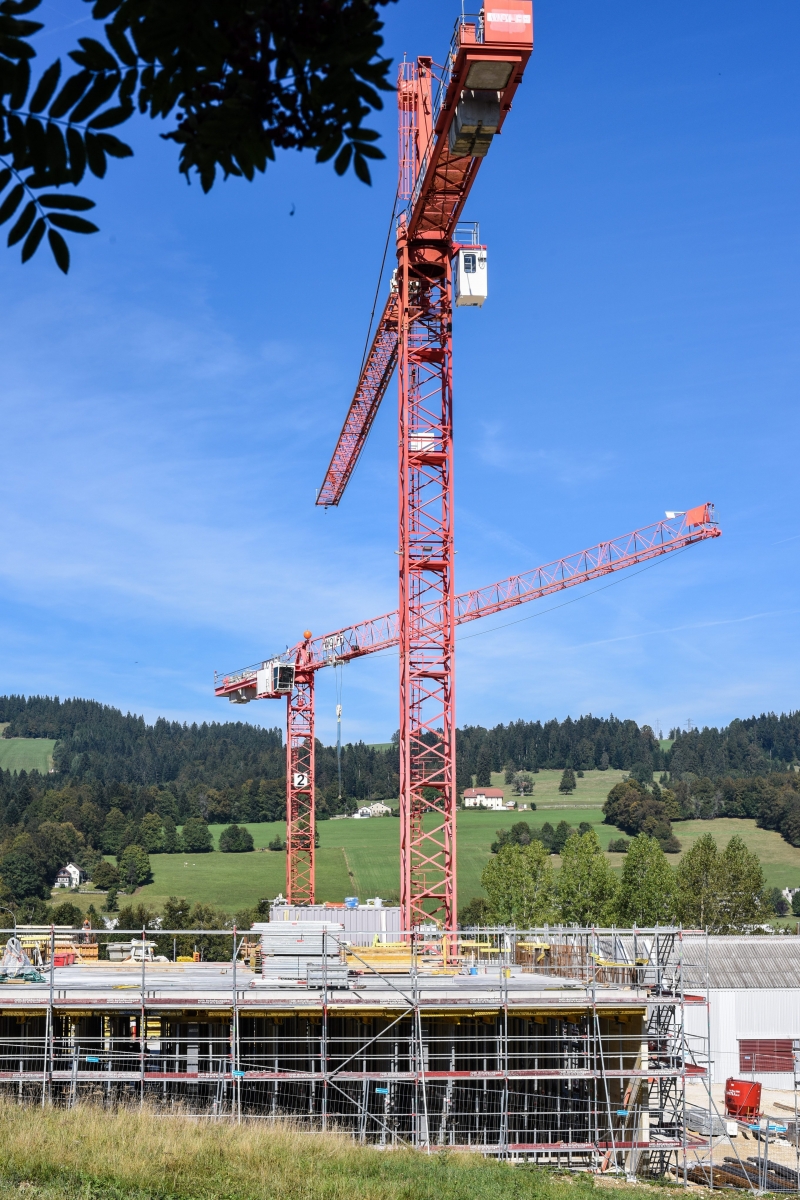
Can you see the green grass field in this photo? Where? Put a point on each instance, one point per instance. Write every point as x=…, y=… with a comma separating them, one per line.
x=361, y=858
x=25, y=754
x=88, y=1153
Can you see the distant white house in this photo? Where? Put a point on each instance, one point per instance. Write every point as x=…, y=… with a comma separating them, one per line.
x=70, y=876
x=484, y=797
x=371, y=810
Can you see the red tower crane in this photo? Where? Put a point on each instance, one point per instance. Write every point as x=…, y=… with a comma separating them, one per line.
x=291, y=674
x=444, y=135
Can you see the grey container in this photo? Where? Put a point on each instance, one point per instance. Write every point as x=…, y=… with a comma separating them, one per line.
x=361, y=925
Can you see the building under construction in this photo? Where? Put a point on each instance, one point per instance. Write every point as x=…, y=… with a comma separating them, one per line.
x=565, y=1046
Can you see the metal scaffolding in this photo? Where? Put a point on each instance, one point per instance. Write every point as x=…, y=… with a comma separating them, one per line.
x=563, y=1046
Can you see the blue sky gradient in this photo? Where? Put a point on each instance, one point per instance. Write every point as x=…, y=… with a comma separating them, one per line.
x=169, y=408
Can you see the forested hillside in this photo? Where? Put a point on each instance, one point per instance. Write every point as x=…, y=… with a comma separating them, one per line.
x=754, y=746
x=97, y=742
x=112, y=769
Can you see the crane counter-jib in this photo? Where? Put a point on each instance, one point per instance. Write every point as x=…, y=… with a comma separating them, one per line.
x=443, y=141
x=485, y=67
x=381, y=633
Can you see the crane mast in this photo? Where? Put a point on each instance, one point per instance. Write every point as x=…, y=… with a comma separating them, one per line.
x=441, y=149
x=446, y=123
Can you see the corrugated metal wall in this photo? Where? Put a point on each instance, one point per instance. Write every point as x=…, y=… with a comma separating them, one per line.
x=745, y=1013
x=366, y=919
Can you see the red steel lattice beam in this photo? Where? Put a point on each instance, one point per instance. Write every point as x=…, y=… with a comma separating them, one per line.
x=372, y=385
x=381, y=633
x=426, y=625
x=300, y=812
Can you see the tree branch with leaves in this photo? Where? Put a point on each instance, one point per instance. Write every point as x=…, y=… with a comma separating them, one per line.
x=240, y=79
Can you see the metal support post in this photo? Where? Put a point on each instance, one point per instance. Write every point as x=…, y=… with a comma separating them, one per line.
x=50, y=1046
x=235, y=1056
x=47, y=1023
x=426, y=601
x=323, y=1045
x=300, y=826
x=143, y=1028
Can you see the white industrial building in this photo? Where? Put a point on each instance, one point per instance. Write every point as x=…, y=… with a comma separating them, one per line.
x=754, y=1004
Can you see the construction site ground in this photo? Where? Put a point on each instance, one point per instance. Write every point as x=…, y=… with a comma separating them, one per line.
x=746, y=1144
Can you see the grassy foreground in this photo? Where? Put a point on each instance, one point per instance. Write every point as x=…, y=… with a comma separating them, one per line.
x=132, y=1155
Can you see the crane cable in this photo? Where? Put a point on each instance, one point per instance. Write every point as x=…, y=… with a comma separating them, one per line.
x=380, y=279
x=337, y=675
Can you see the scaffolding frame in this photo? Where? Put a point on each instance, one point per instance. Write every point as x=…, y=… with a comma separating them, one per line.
x=552, y=1045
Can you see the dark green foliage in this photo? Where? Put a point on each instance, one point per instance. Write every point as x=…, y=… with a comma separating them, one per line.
x=137, y=916
x=568, y=782
x=520, y=834
x=235, y=840
x=96, y=741
x=277, y=843
x=151, y=833
x=773, y=800
x=111, y=900
x=48, y=135
x=67, y=913
x=546, y=835
x=239, y=80
x=115, y=830
x=58, y=843
x=196, y=837
x=475, y=913
x=796, y=904
x=618, y=846
x=584, y=827
x=642, y=772
x=29, y=865
x=563, y=830
x=244, y=80
x=755, y=746
x=105, y=875
x=134, y=867
x=120, y=782
x=172, y=843
x=23, y=876
x=583, y=744
x=632, y=808
x=779, y=903
x=483, y=768
x=178, y=913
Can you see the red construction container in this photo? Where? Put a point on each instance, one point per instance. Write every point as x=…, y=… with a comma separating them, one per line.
x=63, y=958
x=742, y=1099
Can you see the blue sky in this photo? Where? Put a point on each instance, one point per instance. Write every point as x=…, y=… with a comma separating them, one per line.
x=169, y=408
